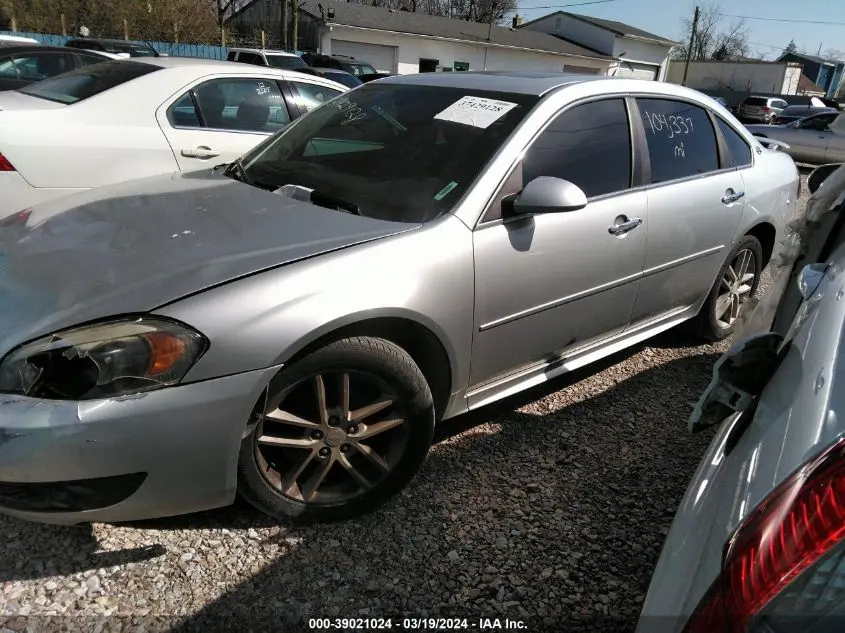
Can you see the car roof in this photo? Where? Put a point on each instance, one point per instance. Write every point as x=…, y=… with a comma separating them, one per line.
x=265, y=51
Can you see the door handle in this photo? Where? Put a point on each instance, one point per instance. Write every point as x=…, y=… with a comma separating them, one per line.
x=623, y=227
x=202, y=152
x=730, y=196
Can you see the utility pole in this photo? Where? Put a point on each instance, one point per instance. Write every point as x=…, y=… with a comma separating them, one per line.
x=691, y=40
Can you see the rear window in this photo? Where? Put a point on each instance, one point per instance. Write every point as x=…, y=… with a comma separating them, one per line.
x=755, y=101
x=285, y=61
x=88, y=81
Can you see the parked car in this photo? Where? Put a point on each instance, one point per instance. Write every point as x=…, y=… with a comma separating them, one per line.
x=816, y=139
x=24, y=64
x=264, y=57
x=760, y=108
x=796, y=113
x=340, y=76
x=757, y=542
x=292, y=326
x=126, y=119
x=340, y=62
x=115, y=47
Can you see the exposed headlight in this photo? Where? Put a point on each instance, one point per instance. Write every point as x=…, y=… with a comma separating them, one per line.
x=103, y=360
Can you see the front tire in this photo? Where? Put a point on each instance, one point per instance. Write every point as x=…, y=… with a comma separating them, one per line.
x=737, y=282
x=343, y=430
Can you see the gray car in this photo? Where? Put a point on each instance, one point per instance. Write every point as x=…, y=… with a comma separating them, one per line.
x=292, y=325
x=756, y=108
x=816, y=139
x=757, y=542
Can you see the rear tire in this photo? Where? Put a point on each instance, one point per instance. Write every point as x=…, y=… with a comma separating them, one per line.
x=343, y=430
x=718, y=316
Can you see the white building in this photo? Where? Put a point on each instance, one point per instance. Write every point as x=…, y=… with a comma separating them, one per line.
x=405, y=42
x=741, y=76
x=635, y=53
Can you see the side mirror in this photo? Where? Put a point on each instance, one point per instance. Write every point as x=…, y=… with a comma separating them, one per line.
x=547, y=194
x=819, y=174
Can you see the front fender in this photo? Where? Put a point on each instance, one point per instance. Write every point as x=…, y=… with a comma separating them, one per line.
x=425, y=276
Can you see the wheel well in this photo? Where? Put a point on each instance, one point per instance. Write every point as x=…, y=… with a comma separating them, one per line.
x=765, y=233
x=421, y=344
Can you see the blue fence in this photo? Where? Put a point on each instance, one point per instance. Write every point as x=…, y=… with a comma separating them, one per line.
x=205, y=51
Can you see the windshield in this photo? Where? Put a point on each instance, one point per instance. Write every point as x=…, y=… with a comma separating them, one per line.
x=395, y=152
x=285, y=61
x=88, y=81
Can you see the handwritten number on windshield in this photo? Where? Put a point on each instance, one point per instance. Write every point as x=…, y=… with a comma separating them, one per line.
x=672, y=125
x=351, y=112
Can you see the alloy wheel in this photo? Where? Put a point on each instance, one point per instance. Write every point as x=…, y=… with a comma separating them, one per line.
x=735, y=287
x=331, y=437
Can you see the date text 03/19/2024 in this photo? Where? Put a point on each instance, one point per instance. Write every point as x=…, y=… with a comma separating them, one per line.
x=414, y=624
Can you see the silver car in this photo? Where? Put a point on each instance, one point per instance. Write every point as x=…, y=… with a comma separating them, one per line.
x=757, y=542
x=816, y=139
x=756, y=108
x=292, y=325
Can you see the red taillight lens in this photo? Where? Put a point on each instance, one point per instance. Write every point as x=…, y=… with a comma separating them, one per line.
x=766, y=109
x=789, y=531
x=5, y=165
x=16, y=219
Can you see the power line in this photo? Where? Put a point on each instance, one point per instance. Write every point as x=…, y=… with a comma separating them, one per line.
x=576, y=4
x=754, y=17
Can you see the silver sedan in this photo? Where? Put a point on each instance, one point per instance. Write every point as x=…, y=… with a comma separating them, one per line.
x=291, y=326
x=816, y=139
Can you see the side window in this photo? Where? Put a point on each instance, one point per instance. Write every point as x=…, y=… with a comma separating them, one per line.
x=231, y=56
x=7, y=69
x=43, y=65
x=740, y=151
x=249, y=105
x=681, y=140
x=183, y=113
x=818, y=123
x=311, y=95
x=579, y=140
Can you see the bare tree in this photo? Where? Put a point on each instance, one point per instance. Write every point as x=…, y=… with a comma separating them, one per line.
x=834, y=54
x=712, y=40
x=284, y=24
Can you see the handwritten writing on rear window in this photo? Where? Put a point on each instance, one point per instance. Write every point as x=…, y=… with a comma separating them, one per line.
x=670, y=125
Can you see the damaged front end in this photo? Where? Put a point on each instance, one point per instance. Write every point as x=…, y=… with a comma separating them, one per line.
x=767, y=325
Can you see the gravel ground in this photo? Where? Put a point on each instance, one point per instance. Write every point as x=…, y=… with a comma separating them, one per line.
x=550, y=508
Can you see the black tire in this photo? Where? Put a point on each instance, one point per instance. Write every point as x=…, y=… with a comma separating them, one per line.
x=364, y=358
x=706, y=324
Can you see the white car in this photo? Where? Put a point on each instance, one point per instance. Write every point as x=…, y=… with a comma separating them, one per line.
x=16, y=40
x=127, y=119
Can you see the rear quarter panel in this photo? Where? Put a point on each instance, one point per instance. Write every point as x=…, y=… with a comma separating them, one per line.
x=771, y=194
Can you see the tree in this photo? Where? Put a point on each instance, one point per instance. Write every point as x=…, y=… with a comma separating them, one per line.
x=792, y=47
x=834, y=54
x=711, y=40
x=284, y=23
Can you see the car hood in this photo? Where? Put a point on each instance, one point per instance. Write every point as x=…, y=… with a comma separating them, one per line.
x=135, y=246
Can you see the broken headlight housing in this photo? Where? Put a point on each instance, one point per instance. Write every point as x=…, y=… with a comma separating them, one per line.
x=103, y=360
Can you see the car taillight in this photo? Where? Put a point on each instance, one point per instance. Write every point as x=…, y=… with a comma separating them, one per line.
x=16, y=219
x=766, y=109
x=792, y=529
x=5, y=165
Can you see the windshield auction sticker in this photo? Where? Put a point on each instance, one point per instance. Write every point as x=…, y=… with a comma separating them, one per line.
x=476, y=111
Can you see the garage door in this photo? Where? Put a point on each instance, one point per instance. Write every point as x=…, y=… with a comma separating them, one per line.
x=381, y=57
x=637, y=71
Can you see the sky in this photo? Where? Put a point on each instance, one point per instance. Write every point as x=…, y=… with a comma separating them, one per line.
x=767, y=37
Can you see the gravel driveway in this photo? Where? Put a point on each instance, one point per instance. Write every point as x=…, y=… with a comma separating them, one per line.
x=550, y=508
